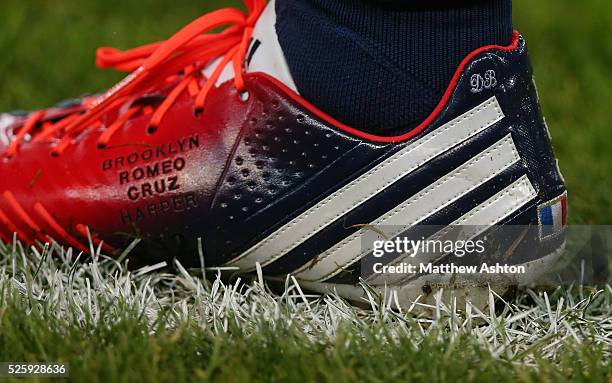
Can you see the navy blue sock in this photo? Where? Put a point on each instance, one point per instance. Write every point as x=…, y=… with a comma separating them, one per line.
x=383, y=66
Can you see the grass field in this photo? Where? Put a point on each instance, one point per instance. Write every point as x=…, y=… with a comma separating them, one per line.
x=111, y=325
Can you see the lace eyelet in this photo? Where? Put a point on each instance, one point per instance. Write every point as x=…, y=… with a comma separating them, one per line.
x=244, y=95
x=152, y=129
x=197, y=112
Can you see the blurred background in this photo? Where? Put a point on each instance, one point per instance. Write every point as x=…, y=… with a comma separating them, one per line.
x=48, y=55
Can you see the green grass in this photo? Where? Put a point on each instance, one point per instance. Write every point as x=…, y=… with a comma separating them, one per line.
x=125, y=351
x=48, y=49
x=113, y=325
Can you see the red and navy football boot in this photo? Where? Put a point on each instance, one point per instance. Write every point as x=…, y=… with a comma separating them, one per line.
x=208, y=137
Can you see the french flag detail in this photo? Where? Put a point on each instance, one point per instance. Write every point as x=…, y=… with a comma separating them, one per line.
x=553, y=216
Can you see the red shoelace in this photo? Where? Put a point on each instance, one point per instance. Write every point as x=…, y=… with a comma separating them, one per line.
x=176, y=63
